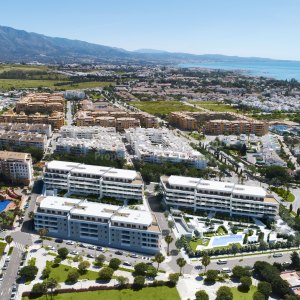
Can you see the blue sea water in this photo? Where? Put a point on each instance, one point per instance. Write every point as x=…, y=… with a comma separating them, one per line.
x=278, y=69
x=3, y=204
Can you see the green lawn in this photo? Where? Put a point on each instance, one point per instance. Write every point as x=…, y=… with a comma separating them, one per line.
x=202, y=242
x=149, y=293
x=7, y=84
x=2, y=247
x=215, y=106
x=284, y=194
x=237, y=295
x=162, y=107
x=60, y=273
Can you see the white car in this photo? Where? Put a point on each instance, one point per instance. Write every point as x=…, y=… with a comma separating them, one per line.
x=70, y=243
x=127, y=263
x=74, y=252
x=51, y=248
x=92, y=247
x=7, y=259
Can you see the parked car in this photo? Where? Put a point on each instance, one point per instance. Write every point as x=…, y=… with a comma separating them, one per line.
x=119, y=252
x=51, y=248
x=100, y=248
x=7, y=259
x=92, y=247
x=134, y=256
x=82, y=245
x=58, y=241
x=14, y=287
x=277, y=255
x=90, y=256
x=13, y=296
x=74, y=252
x=127, y=263
x=222, y=262
x=70, y=243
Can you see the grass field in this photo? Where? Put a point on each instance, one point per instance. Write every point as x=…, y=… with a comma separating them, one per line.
x=2, y=247
x=237, y=295
x=202, y=242
x=162, y=107
x=149, y=293
x=215, y=106
x=5, y=68
x=60, y=273
x=8, y=84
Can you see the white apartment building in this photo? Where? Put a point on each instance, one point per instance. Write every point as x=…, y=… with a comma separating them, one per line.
x=87, y=132
x=79, y=178
x=99, y=224
x=197, y=194
x=16, y=167
x=156, y=145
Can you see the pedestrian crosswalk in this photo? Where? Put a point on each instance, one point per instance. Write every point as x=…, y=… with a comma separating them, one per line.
x=20, y=246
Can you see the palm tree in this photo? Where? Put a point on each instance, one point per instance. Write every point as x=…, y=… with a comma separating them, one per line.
x=205, y=260
x=181, y=262
x=42, y=233
x=51, y=284
x=9, y=239
x=159, y=258
x=168, y=240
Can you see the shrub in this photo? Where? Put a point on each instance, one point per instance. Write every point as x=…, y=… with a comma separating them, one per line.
x=63, y=253
x=106, y=273
x=114, y=263
x=246, y=282
x=211, y=275
x=28, y=272
x=201, y=295
x=139, y=281
x=264, y=288
x=73, y=276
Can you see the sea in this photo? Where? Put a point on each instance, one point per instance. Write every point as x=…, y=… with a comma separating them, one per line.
x=278, y=69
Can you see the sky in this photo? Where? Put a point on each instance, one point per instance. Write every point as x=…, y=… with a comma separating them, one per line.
x=260, y=28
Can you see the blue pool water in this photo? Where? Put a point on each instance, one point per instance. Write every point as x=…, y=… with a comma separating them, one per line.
x=3, y=204
x=226, y=239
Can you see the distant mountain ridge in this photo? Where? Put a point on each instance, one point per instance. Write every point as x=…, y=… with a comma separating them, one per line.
x=22, y=46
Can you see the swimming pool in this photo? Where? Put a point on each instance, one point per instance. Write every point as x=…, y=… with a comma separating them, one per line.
x=226, y=240
x=3, y=204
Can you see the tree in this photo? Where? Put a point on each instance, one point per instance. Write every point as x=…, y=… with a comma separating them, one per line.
x=295, y=260
x=31, y=215
x=139, y=281
x=224, y=293
x=42, y=233
x=297, y=239
x=73, y=276
x=114, y=263
x=151, y=272
x=201, y=295
x=239, y=271
x=205, y=260
x=57, y=261
x=263, y=246
x=243, y=150
x=168, y=240
x=63, y=253
x=122, y=280
x=100, y=259
x=179, y=243
x=171, y=224
x=106, y=273
x=9, y=239
x=173, y=278
x=258, y=296
x=83, y=266
x=140, y=269
x=181, y=262
x=234, y=249
x=51, y=284
x=28, y=272
x=38, y=289
x=211, y=275
x=298, y=212
x=46, y=272
x=291, y=207
x=246, y=282
x=264, y=288
x=159, y=258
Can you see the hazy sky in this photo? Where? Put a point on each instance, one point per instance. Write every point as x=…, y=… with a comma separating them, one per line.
x=264, y=28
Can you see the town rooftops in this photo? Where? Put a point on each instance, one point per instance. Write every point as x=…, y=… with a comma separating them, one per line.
x=9, y=155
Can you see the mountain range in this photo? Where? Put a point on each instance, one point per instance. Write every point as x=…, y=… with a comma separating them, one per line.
x=22, y=46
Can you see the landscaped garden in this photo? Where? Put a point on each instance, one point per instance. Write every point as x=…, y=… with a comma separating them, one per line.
x=241, y=295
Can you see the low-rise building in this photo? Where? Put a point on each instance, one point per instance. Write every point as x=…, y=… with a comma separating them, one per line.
x=97, y=180
x=16, y=167
x=97, y=223
x=41, y=103
x=55, y=119
x=16, y=140
x=27, y=128
x=196, y=194
x=161, y=145
x=216, y=127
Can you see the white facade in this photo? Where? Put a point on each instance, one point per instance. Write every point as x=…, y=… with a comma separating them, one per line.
x=198, y=194
x=97, y=223
x=161, y=145
x=88, y=179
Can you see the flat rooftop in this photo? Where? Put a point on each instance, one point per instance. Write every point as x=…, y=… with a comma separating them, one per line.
x=198, y=183
x=100, y=210
x=93, y=170
x=13, y=155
